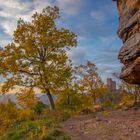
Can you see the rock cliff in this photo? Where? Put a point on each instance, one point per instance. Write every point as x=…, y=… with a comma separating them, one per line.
x=129, y=32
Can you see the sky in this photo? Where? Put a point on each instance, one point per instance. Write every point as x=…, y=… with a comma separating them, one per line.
x=94, y=21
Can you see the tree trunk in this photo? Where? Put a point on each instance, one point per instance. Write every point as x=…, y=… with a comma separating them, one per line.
x=94, y=98
x=136, y=103
x=68, y=99
x=52, y=105
x=135, y=98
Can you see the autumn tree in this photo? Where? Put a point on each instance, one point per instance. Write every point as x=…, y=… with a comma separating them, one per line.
x=130, y=89
x=69, y=97
x=89, y=82
x=37, y=56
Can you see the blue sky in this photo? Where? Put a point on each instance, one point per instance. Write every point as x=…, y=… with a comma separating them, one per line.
x=94, y=21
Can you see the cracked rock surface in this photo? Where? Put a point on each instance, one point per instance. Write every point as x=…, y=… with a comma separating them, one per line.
x=129, y=32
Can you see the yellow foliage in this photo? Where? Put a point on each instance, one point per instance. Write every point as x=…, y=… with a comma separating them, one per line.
x=27, y=98
x=43, y=133
x=26, y=114
x=37, y=56
x=8, y=115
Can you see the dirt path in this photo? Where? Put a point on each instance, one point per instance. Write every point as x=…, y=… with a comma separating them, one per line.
x=114, y=125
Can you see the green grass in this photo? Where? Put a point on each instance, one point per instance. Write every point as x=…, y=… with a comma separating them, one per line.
x=45, y=128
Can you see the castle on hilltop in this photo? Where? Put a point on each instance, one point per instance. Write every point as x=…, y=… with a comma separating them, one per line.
x=111, y=85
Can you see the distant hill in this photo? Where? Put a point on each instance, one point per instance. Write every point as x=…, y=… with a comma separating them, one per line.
x=3, y=98
x=44, y=99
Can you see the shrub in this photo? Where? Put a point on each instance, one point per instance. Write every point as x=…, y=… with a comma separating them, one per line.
x=39, y=107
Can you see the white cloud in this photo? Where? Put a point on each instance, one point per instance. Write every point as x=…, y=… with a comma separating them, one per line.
x=70, y=7
x=4, y=42
x=12, y=10
x=108, y=40
x=39, y=5
x=77, y=55
x=97, y=15
x=107, y=70
x=9, y=26
x=11, y=4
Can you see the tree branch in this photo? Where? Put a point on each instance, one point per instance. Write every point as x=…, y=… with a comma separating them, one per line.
x=27, y=72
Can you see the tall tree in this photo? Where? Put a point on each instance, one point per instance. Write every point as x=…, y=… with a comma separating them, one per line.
x=37, y=56
x=88, y=79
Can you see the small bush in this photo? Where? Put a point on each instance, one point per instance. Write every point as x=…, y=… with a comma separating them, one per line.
x=108, y=105
x=126, y=100
x=39, y=107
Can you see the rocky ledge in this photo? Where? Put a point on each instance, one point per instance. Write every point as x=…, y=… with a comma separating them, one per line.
x=129, y=32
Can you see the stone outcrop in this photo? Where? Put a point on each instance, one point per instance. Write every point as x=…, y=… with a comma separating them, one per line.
x=129, y=32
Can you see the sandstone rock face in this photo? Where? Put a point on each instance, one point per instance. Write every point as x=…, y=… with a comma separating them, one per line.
x=129, y=32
